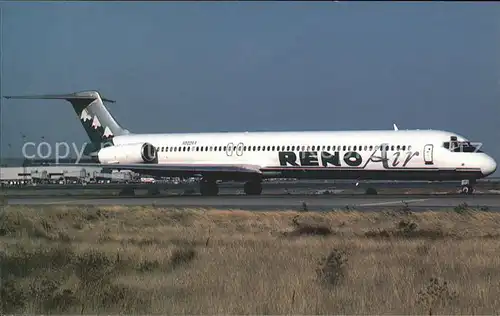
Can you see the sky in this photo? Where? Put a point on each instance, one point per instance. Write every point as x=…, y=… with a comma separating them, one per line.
x=236, y=66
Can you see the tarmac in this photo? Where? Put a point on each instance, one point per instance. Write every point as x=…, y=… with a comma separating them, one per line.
x=276, y=196
x=282, y=202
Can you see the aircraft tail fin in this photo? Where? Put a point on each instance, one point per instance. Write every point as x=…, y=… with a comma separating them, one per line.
x=97, y=121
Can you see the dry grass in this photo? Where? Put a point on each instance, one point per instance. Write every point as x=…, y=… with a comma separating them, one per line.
x=59, y=259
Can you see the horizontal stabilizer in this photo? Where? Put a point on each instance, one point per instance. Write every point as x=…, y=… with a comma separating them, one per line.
x=70, y=96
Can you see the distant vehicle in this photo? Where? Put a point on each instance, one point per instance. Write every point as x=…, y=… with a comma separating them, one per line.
x=251, y=157
x=147, y=180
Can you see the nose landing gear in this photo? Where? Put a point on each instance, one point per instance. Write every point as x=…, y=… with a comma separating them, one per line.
x=467, y=187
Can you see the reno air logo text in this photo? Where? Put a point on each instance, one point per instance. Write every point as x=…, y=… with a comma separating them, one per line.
x=310, y=159
x=349, y=159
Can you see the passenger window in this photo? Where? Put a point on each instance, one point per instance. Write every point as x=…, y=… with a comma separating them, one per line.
x=313, y=147
x=354, y=148
x=328, y=147
x=398, y=148
x=349, y=148
x=404, y=147
x=333, y=148
x=293, y=148
x=392, y=147
x=409, y=147
x=258, y=148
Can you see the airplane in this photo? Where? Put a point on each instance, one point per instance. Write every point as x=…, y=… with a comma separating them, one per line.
x=251, y=157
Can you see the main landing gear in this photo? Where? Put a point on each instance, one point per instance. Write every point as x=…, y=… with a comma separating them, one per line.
x=467, y=187
x=253, y=188
x=210, y=187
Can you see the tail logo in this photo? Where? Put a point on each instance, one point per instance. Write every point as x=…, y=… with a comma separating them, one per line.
x=85, y=116
x=107, y=132
x=96, y=123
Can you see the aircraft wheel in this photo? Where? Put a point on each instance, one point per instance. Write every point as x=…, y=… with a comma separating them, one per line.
x=127, y=192
x=467, y=190
x=253, y=188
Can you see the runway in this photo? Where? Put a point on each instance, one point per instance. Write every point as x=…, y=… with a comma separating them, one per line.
x=282, y=202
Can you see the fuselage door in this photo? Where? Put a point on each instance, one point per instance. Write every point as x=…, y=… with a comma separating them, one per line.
x=428, y=149
x=239, y=149
x=230, y=149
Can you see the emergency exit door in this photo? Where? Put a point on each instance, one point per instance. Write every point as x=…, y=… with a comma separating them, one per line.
x=428, y=154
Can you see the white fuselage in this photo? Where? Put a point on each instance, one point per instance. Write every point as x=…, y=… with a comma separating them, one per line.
x=403, y=154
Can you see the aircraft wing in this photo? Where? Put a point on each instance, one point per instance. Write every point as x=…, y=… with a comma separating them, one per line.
x=177, y=170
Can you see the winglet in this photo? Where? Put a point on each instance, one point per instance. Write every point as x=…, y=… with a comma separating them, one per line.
x=395, y=127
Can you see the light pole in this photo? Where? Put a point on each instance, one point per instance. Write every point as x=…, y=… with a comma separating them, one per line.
x=24, y=158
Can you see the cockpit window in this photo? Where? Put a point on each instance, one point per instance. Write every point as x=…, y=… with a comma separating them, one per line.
x=462, y=147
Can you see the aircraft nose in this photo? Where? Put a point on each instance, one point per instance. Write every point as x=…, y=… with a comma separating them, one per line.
x=489, y=166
